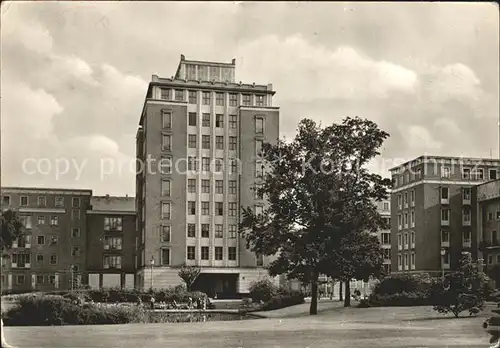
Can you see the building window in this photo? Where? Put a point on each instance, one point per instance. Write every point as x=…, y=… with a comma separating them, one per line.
x=231, y=253
x=25, y=221
x=219, y=231
x=165, y=94
x=40, y=279
x=258, y=210
x=259, y=169
x=247, y=100
x=41, y=220
x=233, y=99
x=193, y=97
x=232, y=208
x=179, y=94
x=191, y=253
x=21, y=260
x=40, y=240
x=493, y=174
x=113, y=223
x=191, y=208
x=233, y=230
x=205, y=120
x=233, y=121
x=54, y=240
x=259, y=100
x=205, y=253
x=165, y=256
x=112, y=261
x=466, y=236
x=234, y=166
x=191, y=72
x=191, y=230
x=386, y=205
x=233, y=143
x=232, y=187
x=192, y=141
x=205, y=164
x=6, y=200
x=214, y=73
x=165, y=165
x=206, y=98
x=258, y=147
x=39, y=258
x=42, y=201
x=165, y=188
x=192, y=118
x=54, y=220
x=165, y=233
x=75, y=202
x=445, y=214
x=219, y=98
x=466, y=194
x=205, y=208
x=192, y=185
x=466, y=215
x=75, y=214
x=75, y=233
x=412, y=218
x=59, y=202
x=20, y=279
x=219, y=208
x=192, y=164
x=257, y=193
x=75, y=251
x=219, y=121
x=165, y=210
x=166, y=142
x=445, y=172
x=218, y=253
x=24, y=201
x=259, y=125
x=219, y=186
x=53, y=259
x=405, y=199
x=205, y=141
x=412, y=197
x=218, y=165
x=219, y=142
x=166, y=120
x=386, y=238
x=205, y=231
x=202, y=73
x=445, y=237
x=205, y=186
x=259, y=260
x=477, y=174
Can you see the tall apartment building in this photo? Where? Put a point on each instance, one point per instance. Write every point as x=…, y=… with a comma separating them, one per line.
x=65, y=240
x=487, y=210
x=432, y=211
x=200, y=131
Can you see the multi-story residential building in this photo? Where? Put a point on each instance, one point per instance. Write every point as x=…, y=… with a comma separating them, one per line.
x=432, y=211
x=54, y=223
x=487, y=210
x=199, y=135
x=70, y=238
x=111, y=242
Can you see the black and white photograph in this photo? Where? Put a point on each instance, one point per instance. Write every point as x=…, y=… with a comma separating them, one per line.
x=250, y=174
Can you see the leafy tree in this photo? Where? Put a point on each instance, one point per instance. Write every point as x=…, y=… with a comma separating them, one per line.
x=465, y=289
x=318, y=191
x=189, y=274
x=11, y=229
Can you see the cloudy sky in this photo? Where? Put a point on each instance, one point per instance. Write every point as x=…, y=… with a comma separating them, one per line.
x=74, y=76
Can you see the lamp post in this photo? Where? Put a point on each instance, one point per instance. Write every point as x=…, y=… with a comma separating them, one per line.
x=152, y=263
x=443, y=253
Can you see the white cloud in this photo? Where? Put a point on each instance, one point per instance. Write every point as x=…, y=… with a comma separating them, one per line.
x=75, y=67
x=455, y=81
x=447, y=127
x=419, y=138
x=33, y=36
x=343, y=73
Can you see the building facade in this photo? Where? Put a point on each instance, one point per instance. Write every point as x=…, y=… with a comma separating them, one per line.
x=384, y=235
x=197, y=144
x=65, y=242
x=488, y=226
x=433, y=215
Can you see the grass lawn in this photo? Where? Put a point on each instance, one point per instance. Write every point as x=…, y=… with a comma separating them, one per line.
x=333, y=327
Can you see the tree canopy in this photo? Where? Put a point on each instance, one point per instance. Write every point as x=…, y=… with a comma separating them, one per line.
x=320, y=202
x=11, y=228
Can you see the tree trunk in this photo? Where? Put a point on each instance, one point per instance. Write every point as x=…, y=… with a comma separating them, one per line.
x=347, y=299
x=313, y=310
x=340, y=291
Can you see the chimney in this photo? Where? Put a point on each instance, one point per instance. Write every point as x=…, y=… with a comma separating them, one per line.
x=107, y=196
x=126, y=195
x=183, y=57
x=233, y=61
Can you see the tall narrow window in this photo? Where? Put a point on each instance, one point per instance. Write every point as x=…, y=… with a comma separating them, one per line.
x=192, y=118
x=165, y=210
x=179, y=95
x=259, y=100
x=166, y=142
x=193, y=97
x=167, y=120
x=206, y=98
x=259, y=125
x=233, y=99
x=219, y=98
x=205, y=120
x=165, y=188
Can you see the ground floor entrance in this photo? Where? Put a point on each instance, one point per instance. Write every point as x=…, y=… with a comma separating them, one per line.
x=217, y=285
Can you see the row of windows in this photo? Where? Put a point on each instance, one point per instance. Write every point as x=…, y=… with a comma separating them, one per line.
x=403, y=262
x=490, y=216
x=403, y=199
x=21, y=260
x=42, y=201
x=466, y=236
x=403, y=240
x=207, y=165
x=446, y=173
x=206, y=97
x=40, y=279
x=205, y=254
x=217, y=73
x=466, y=215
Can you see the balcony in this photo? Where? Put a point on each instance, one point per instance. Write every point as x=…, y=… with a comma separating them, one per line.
x=445, y=200
x=467, y=244
x=400, y=267
x=466, y=222
x=412, y=224
x=446, y=265
x=486, y=244
x=445, y=244
x=413, y=245
x=407, y=267
x=400, y=247
x=406, y=247
x=20, y=265
x=466, y=200
x=445, y=222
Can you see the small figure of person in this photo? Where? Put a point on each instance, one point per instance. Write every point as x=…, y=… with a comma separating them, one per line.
x=139, y=301
x=152, y=302
x=190, y=303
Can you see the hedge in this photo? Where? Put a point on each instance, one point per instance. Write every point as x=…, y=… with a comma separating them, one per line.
x=270, y=297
